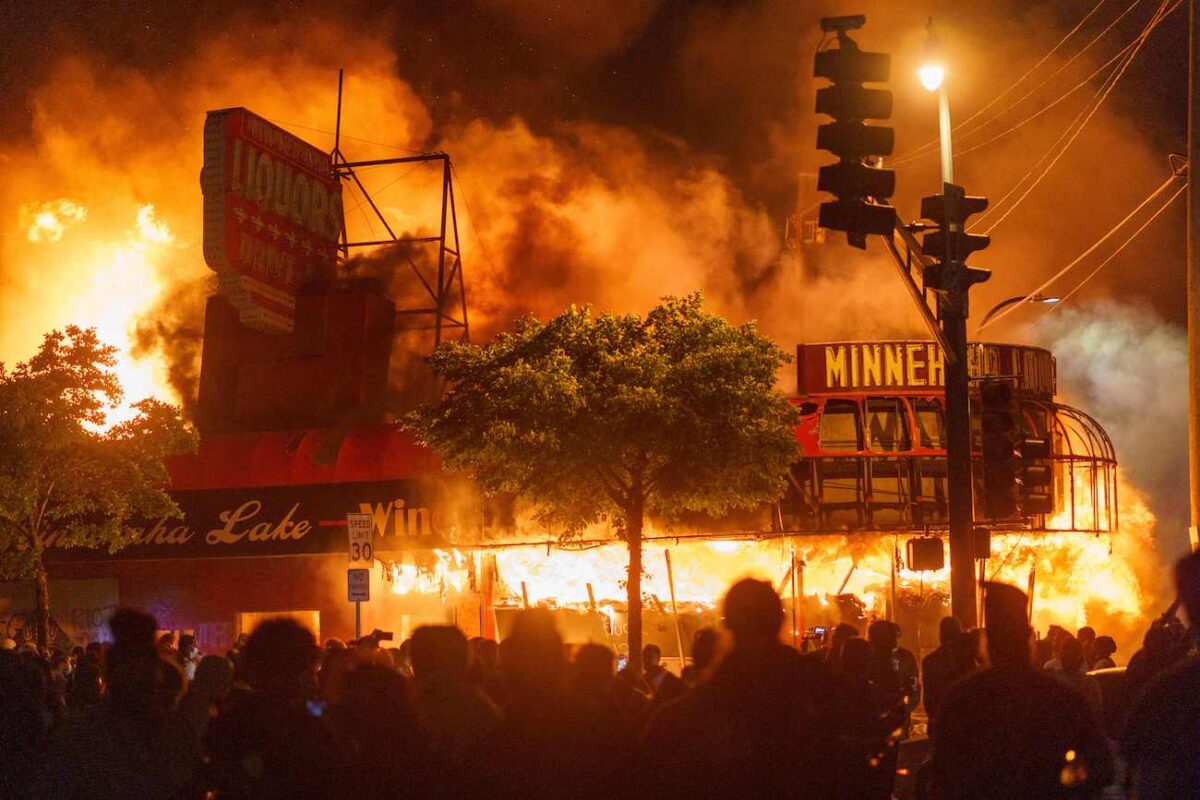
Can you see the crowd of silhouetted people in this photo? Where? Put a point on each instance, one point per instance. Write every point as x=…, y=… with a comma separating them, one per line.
x=279, y=716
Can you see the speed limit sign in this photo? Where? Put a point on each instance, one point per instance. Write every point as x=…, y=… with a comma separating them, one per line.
x=360, y=527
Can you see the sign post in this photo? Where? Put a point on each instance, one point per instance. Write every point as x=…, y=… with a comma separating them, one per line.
x=360, y=528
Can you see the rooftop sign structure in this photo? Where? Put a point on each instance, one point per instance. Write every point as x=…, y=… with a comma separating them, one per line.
x=272, y=215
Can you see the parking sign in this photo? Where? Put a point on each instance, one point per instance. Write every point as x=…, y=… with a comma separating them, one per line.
x=358, y=585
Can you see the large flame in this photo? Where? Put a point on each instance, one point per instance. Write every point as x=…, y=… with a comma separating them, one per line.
x=1104, y=580
x=118, y=281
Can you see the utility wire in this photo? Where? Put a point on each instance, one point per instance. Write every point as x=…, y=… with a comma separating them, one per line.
x=918, y=155
x=1114, y=253
x=471, y=219
x=934, y=143
x=1111, y=232
x=1099, y=102
x=344, y=135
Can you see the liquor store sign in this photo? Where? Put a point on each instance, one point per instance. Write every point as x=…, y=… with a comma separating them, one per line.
x=272, y=215
x=841, y=367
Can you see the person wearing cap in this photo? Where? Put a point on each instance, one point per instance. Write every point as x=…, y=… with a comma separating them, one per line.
x=1012, y=730
x=1160, y=738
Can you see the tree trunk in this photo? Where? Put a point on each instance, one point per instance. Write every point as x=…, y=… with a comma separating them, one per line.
x=41, y=592
x=633, y=537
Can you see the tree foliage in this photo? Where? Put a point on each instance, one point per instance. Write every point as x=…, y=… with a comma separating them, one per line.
x=64, y=480
x=616, y=416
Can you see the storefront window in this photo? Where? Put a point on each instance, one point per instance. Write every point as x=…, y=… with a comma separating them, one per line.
x=887, y=424
x=840, y=429
x=931, y=425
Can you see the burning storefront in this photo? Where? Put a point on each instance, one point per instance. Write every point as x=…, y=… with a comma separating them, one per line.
x=293, y=411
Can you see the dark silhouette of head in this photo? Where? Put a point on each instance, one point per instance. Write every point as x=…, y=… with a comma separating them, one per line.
x=1006, y=609
x=856, y=659
x=1187, y=584
x=140, y=683
x=133, y=636
x=1105, y=646
x=843, y=632
x=440, y=654
x=1157, y=641
x=651, y=656
x=883, y=636
x=1086, y=635
x=485, y=651
x=948, y=628
x=594, y=667
x=280, y=656
x=214, y=677
x=753, y=614
x=532, y=657
x=704, y=647
x=1071, y=655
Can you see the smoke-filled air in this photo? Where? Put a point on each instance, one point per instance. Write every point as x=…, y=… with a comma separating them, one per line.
x=606, y=154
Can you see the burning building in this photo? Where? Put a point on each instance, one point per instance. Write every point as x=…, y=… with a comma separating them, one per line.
x=295, y=433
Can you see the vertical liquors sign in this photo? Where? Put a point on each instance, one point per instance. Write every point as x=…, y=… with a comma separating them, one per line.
x=272, y=215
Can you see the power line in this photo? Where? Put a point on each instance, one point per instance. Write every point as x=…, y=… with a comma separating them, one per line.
x=344, y=135
x=934, y=143
x=1111, y=84
x=471, y=219
x=1116, y=252
x=1022, y=123
x=1111, y=232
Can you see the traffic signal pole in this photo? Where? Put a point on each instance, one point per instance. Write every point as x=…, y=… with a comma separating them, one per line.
x=858, y=210
x=952, y=309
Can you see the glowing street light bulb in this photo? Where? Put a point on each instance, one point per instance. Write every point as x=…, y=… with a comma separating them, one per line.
x=932, y=75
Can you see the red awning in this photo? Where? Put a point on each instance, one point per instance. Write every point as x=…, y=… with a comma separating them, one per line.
x=288, y=458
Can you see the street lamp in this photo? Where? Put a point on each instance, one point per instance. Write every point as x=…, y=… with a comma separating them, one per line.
x=1034, y=298
x=933, y=77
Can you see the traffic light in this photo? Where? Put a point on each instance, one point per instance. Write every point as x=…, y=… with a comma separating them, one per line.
x=1037, y=476
x=858, y=187
x=950, y=245
x=926, y=553
x=999, y=428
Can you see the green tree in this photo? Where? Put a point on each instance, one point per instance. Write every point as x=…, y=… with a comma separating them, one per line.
x=64, y=480
x=616, y=417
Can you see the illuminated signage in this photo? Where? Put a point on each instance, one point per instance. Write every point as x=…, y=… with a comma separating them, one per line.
x=272, y=215
x=884, y=366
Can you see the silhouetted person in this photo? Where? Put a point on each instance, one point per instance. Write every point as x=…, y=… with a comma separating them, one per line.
x=484, y=655
x=546, y=745
x=23, y=736
x=664, y=686
x=207, y=691
x=1012, y=730
x=455, y=715
x=1087, y=639
x=866, y=716
x=843, y=633
x=133, y=744
x=704, y=654
x=189, y=655
x=386, y=750
x=938, y=670
x=1155, y=657
x=617, y=710
x=1164, y=726
x=1103, y=650
x=759, y=727
x=1074, y=673
x=269, y=743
